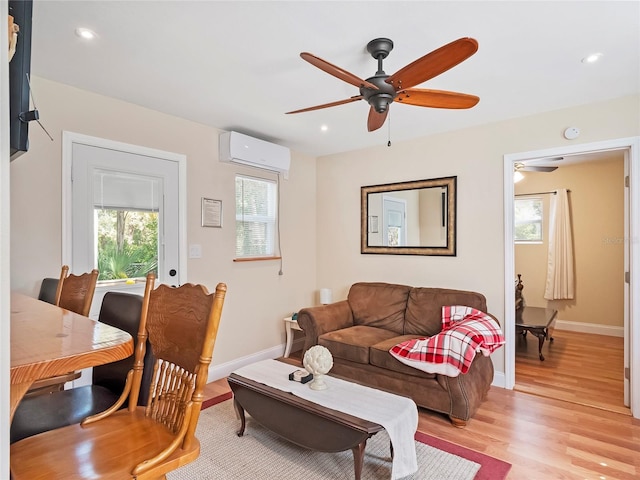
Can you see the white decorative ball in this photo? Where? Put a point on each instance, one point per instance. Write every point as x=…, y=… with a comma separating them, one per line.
x=318, y=361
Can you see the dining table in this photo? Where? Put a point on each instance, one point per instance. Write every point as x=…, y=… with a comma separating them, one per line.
x=47, y=340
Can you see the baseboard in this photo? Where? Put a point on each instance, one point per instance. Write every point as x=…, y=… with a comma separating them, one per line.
x=499, y=380
x=216, y=372
x=223, y=370
x=590, y=328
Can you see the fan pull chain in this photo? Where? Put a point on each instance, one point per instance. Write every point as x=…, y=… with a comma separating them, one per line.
x=389, y=129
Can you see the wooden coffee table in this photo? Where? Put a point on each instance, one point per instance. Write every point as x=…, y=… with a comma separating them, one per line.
x=300, y=421
x=537, y=320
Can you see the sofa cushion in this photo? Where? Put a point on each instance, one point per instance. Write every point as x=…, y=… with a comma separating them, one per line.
x=353, y=343
x=380, y=305
x=424, y=308
x=380, y=357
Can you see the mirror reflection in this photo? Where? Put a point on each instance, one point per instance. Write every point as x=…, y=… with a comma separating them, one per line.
x=409, y=218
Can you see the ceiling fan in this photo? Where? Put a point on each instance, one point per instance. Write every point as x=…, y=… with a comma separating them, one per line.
x=530, y=165
x=381, y=89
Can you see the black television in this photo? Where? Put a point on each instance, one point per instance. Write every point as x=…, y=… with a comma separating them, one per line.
x=19, y=76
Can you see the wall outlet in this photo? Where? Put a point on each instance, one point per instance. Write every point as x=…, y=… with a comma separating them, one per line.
x=195, y=251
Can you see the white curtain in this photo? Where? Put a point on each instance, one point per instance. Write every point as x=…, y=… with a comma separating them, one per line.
x=560, y=281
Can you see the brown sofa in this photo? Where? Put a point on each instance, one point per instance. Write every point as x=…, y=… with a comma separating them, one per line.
x=360, y=331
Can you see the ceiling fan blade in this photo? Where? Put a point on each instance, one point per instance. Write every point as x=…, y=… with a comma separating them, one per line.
x=336, y=71
x=436, y=98
x=326, y=105
x=434, y=63
x=376, y=120
x=538, y=169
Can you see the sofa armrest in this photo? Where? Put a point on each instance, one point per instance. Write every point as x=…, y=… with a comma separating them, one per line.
x=315, y=321
x=468, y=390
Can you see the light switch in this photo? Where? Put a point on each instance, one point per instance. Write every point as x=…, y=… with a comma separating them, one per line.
x=195, y=251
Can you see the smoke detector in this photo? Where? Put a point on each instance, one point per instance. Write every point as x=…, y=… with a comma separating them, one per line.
x=572, y=133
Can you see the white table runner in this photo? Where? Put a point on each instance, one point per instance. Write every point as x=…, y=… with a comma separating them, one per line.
x=398, y=415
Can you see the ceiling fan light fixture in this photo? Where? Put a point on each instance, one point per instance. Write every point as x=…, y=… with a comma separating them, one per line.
x=517, y=176
x=380, y=102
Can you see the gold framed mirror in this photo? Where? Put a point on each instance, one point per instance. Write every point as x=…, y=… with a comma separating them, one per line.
x=409, y=218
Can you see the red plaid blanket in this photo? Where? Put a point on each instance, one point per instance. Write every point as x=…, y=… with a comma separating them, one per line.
x=465, y=331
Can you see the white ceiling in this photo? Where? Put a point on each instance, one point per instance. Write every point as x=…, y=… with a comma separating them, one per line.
x=235, y=65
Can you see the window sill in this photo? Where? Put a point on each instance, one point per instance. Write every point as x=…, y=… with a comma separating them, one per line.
x=121, y=282
x=255, y=259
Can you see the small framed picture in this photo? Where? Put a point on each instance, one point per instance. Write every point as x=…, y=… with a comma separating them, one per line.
x=211, y=213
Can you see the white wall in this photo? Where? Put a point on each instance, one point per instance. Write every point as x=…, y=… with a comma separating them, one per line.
x=257, y=298
x=475, y=156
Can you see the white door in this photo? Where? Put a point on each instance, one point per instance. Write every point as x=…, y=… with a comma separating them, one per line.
x=394, y=224
x=105, y=184
x=123, y=214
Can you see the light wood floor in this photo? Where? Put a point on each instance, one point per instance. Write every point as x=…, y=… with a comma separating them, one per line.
x=543, y=438
x=579, y=367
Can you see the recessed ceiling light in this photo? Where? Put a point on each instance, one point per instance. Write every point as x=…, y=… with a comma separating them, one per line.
x=86, y=33
x=594, y=57
x=324, y=128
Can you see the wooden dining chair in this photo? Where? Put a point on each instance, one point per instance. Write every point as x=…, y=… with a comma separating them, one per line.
x=181, y=325
x=48, y=290
x=75, y=293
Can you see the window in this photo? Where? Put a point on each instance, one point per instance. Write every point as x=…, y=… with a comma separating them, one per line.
x=256, y=207
x=127, y=243
x=126, y=209
x=528, y=220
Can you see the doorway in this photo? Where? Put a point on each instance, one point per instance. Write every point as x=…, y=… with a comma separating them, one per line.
x=123, y=212
x=630, y=148
x=584, y=362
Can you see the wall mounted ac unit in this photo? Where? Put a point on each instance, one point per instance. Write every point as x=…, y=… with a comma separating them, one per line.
x=236, y=147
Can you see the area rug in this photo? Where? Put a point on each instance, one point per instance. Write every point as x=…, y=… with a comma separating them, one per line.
x=262, y=455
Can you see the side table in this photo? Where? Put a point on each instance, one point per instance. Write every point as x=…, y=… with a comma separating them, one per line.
x=289, y=325
x=537, y=320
